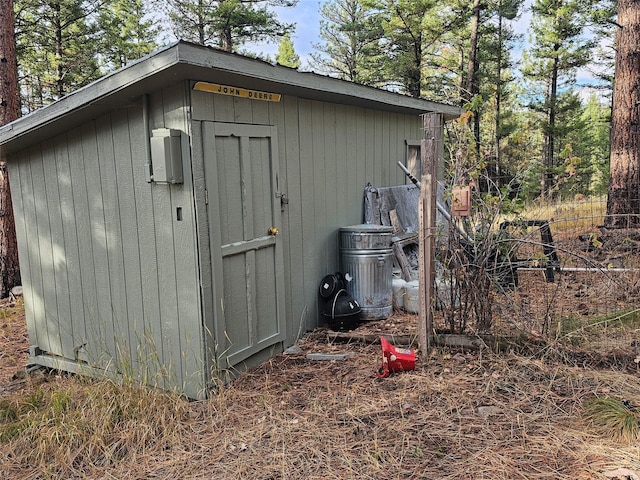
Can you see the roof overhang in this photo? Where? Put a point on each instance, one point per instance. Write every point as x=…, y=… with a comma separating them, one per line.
x=185, y=61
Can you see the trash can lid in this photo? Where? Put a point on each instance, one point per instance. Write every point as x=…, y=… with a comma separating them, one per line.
x=367, y=228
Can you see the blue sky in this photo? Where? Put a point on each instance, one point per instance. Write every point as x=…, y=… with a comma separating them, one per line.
x=306, y=16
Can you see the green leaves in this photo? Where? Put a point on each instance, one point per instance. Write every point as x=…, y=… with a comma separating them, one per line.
x=287, y=55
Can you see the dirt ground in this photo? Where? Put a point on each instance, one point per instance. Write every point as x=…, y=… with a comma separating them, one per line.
x=461, y=414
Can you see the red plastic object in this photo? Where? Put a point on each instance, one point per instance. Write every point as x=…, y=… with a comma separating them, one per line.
x=395, y=359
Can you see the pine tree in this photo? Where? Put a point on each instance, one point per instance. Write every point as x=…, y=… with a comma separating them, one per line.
x=471, y=84
x=407, y=30
x=571, y=172
x=500, y=78
x=593, y=146
x=352, y=33
x=287, y=55
x=424, y=42
x=56, y=45
x=559, y=49
x=488, y=80
x=226, y=24
x=9, y=96
x=125, y=33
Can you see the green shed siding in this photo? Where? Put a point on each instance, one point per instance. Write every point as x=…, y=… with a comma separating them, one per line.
x=112, y=277
x=328, y=153
x=127, y=275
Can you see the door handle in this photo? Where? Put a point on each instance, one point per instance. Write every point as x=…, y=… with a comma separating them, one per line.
x=273, y=231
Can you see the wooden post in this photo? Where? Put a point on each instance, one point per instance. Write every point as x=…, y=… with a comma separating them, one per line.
x=430, y=150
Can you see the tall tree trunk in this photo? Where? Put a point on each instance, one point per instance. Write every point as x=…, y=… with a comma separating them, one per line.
x=226, y=42
x=9, y=111
x=472, y=72
x=59, y=51
x=202, y=40
x=497, y=179
x=9, y=98
x=548, y=182
x=226, y=39
x=415, y=76
x=623, y=203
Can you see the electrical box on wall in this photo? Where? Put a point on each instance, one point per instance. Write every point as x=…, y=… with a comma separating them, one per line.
x=166, y=155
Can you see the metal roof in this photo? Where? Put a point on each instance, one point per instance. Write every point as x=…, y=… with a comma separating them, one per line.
x=186, y=61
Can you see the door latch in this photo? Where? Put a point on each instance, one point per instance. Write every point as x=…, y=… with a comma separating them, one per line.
x=284, y=200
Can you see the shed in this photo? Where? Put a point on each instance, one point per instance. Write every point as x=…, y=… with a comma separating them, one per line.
x=175, y=217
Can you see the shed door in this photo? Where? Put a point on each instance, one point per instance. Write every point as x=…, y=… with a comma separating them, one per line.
x=244, y=211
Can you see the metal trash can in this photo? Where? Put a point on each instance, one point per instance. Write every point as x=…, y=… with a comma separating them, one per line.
x=367, y=264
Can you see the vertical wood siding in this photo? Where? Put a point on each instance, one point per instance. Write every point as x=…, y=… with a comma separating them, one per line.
x=328, y=153
x=111, y=275
x=114, y=278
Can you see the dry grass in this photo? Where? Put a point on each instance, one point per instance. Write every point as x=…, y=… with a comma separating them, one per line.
x=457, y=416
x=614, y=417
x=560, y=409
x=570, y=216
x=14, y=343
x=65, y=425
